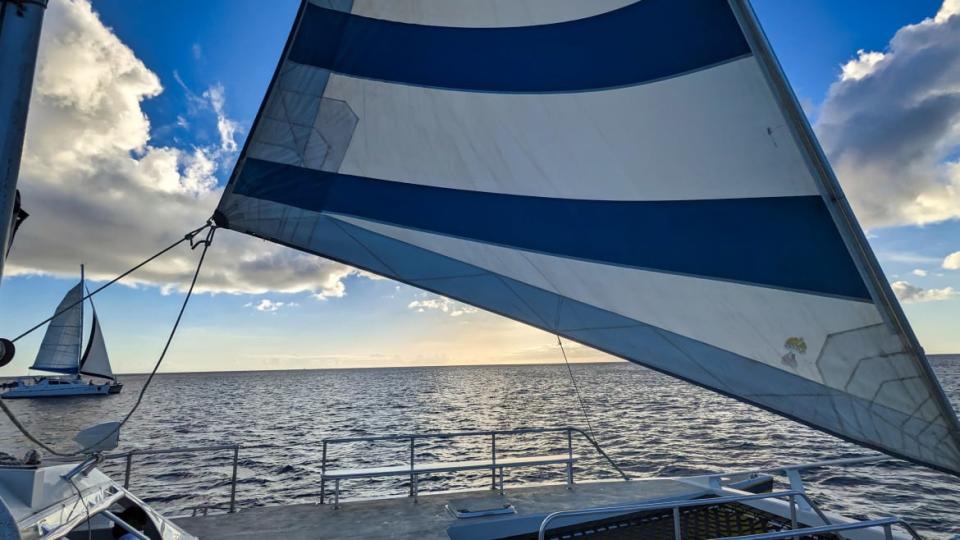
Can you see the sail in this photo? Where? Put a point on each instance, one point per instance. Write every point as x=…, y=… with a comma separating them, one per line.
x=95, y=361
x=633, y=175
x=60, y=349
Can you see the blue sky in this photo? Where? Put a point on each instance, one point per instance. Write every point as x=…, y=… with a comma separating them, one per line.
x=201, y=50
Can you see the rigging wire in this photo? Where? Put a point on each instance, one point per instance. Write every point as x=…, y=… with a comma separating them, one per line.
x=206, y=244
x=576, y=388
x=187, y=237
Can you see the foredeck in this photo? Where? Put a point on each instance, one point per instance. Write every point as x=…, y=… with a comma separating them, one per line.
x=427, y=519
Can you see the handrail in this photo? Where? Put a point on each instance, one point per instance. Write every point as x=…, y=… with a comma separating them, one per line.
x=886, y=523
x=414, y=437
x=445, y=435
x=676, y=505
x=181, y=450
x=128, y=456
x=491, y=433
x=803, y=466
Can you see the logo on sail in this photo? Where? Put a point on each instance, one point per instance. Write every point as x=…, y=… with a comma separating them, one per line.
x=794, y=346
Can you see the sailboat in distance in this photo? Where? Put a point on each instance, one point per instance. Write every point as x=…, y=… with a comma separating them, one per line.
x=62, y=352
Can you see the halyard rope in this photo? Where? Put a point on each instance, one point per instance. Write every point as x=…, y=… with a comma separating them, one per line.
x=188, y=237
x=576, y=388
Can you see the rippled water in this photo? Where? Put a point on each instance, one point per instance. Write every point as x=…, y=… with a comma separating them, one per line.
x=650, y=423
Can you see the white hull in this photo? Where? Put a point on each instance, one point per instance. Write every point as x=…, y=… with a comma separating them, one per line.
x=60, y=387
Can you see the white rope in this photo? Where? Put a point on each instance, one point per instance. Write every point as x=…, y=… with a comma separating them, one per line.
x=576, y=388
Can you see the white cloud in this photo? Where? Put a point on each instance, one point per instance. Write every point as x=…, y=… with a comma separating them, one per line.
x=911, y=293
x=919, y=272
x=891, y=125
x=100, y=192
x=862, y=66
x=269, y=306
x=444, y=305
x=952, y=261
x=225, y=126
x=947, y=10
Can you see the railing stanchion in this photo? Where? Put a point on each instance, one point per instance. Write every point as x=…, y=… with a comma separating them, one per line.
x=413, y=478
x=677, y=533
x=323, y=471
x=888, y=532
x=793, y=514
x=570, y=455
x=493, y=460
x=126, y=474
x=233, y=481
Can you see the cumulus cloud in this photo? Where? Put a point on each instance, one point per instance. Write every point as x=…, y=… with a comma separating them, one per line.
x=891, y=125
x=269, y=306
x=919, y=272
x=911, y=293
x=952, y=261
x=100, y=192
x=444, y=305
x=862, y=66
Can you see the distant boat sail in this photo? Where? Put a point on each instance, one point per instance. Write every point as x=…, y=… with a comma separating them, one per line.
x=59, y=352
x=95, y=361
x=635, y=176
x=60, y=347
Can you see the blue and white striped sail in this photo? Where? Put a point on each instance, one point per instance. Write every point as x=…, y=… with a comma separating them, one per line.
x=632, y=175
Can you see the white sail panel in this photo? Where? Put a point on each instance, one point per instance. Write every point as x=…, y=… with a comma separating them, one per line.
x=446, y=138
x=95, y=361
x=630, y=179
x=60, y=349
x=474, y=13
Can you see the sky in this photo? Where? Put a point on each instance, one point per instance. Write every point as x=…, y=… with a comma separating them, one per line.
x=139, y=109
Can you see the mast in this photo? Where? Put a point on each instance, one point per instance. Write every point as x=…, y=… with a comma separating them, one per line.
x=20, y=24
x=80, y=333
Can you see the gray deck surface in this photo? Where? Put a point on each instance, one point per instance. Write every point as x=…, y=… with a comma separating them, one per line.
x=426, y=520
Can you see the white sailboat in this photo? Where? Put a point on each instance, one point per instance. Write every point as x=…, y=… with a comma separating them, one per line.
x=60, y=352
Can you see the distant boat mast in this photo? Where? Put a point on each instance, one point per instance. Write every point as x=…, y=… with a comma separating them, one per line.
x=20, y=24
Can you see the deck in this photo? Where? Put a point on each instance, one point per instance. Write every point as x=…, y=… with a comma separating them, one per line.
x=425, y=520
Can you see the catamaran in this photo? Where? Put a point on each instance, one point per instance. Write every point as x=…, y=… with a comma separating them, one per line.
x=633, y=175
x=62, y=351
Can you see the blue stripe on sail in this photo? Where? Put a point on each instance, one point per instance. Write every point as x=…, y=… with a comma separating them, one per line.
x=738, y=377
x=783, y=242
x=645, y=41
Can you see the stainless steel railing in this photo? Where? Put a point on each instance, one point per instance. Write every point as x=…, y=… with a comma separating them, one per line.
x=790, y=495
x=129, y=456
x=414, y=437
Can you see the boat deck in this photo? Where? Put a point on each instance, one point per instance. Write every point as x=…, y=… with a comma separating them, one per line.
x=426, y=519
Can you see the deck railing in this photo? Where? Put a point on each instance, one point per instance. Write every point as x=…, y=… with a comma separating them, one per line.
x=129, y=456
x=412, y=438
x=792, y=496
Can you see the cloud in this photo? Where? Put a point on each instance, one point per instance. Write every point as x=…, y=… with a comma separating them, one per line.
x=891, y=125
x=919, y=272
x=911, y=293
x=444, y=305
x=269, y=306
x=226, y=127
x=100, y=192
x=952, y=261
x=862, y=66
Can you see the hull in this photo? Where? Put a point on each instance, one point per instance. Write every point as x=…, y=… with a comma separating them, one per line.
x=51, y=388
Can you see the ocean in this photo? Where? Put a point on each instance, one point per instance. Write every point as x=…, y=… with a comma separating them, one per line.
x=649, y=423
